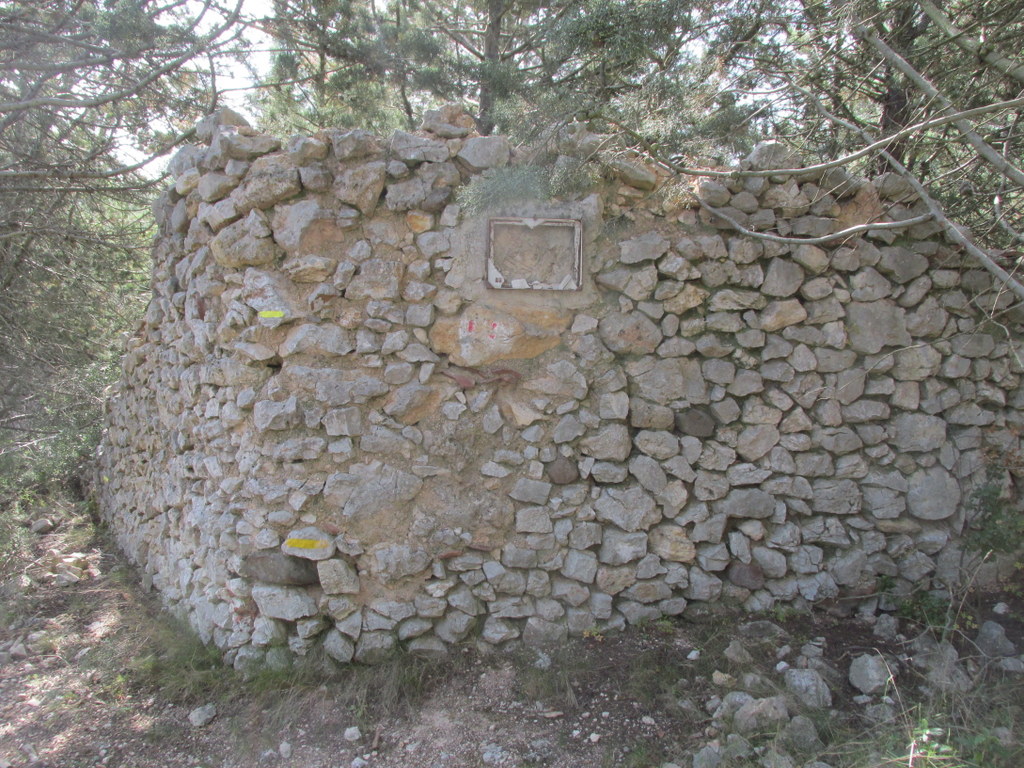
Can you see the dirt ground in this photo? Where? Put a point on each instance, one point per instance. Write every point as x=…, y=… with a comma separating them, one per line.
x=93, y=674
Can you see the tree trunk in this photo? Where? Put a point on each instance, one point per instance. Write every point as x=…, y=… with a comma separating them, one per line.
x=492, y=55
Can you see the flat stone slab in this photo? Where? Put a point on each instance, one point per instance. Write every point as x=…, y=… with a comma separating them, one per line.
x=535, y=254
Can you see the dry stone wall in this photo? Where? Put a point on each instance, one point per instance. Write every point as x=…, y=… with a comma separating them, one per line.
x=332, y=431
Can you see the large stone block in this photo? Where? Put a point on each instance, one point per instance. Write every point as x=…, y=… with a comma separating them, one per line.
x=876, y=324
x=632, y=334
x=237, y=246
x=934, y=494
x=361, y=186
x=918, y=432
x=278, y=602
x=482, y=335
x=271, y=179
x=673, y=379
x=631, y=509
x=746, y=503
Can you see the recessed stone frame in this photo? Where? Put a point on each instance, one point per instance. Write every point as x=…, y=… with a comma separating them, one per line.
x=535, y=254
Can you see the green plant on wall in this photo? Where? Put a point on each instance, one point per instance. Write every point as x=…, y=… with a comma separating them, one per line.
x=566, y=179
x=995, y=523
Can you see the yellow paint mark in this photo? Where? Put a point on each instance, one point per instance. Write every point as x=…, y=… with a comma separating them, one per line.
x=106, y=479
x=305, y=543
x=271, y=313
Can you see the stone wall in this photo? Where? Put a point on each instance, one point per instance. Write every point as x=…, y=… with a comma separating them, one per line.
x=332, y=431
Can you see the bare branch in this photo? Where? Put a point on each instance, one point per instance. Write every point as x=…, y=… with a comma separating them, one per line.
x=982, y=147
x=983, y=51
x=952, y=230
x=844, y=234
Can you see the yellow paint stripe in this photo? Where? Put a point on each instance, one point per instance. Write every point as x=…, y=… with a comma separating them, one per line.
x=305, y=543
x=271, y=313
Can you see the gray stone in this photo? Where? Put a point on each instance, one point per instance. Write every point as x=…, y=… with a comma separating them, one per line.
x=412, y=149
x=562, y=471
x=279, y=602
x=580, y=565
x=317, y=339
x=801, y=736
x=278, y=568
x=631, y=509
x=836, y=497
x=202, y=716
x=934, y=494
x=659, y=444
x=915, y=566
x=808, y=686
x=648, y=473
x=746, y=503
x=817, y=587
x=942, y=666
x=619, y=547
x=361, y=186
x=271, y=179
x=761, y=715
x=541, y=632
x=746, y=575
x=632, y=334
x=454, y=626
x=672, y=543
x=755, y=441
x=397, y=561
x=310, y=543
x=696, y=422
x=448, y=122
x=567, y=429
x=673, y=379
x=713, y=193
x=481, y=152
x=918, y=432
x=338, y=577
x=901, y=264
x=782, y=314
x=633, y=174
x=993, y=642
x=869, y=673
x=387, y=488
x=427, y=647
x=772, y=155
x=782, y=279
x=708, y=756
x=497, y=631
x=343, y=421
x=869, y=285
x=876, y=324
x=648, y=247
x=339, y=647
x=236, y=246
x=533, y=520
x=374, y=647
x=531, y=491
x=607, y=472
x=611, y=442
x=812, y=258
x=703, y=586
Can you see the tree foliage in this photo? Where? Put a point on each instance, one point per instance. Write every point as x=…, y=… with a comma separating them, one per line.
x=516, y=64
x=90, y=91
